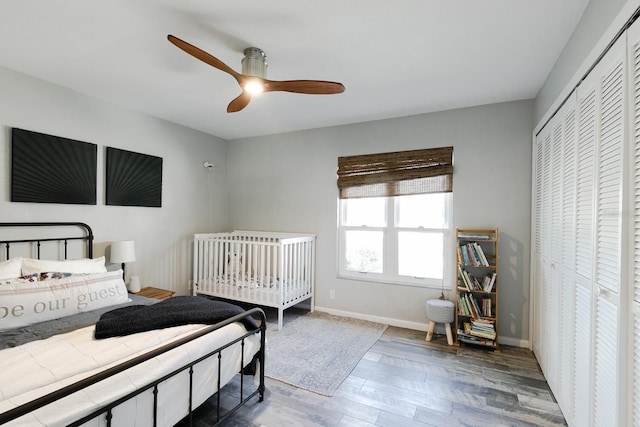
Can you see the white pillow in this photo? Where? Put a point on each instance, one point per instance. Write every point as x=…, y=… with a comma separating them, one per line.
x=86, y=265
x=11, y=268
x=23, y=303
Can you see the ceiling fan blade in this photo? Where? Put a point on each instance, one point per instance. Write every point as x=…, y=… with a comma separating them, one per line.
x=239, y=103
x=313, y=87
x=204, y=57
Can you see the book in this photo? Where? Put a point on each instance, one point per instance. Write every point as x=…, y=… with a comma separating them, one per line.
x=473, y=256
x=483, y=259
x=463, y=276
x=465, y=255
x=475, y=236
x=492, y=282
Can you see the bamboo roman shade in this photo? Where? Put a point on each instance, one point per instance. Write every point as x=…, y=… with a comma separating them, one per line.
x=398, y=173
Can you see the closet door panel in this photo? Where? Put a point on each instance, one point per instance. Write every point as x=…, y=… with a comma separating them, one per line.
x=567, y=303
x=584, y=254
x=633, y=49
x=553, y=214
x=538, y=321
x=634, y=57
x=608, y=242
x=543, y=299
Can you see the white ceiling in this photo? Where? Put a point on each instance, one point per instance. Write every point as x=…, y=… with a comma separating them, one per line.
x=396, y=58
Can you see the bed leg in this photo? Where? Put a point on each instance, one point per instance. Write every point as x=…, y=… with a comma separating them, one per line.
x=262, y=353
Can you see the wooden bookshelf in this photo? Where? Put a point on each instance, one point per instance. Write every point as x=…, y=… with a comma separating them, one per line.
x=477, y=287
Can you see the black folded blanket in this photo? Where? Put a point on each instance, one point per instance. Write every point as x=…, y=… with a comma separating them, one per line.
x=177, y=311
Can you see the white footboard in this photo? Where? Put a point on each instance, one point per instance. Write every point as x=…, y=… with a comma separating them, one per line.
x=262, y=268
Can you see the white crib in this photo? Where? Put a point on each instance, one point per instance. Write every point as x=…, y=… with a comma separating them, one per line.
x=262, y=268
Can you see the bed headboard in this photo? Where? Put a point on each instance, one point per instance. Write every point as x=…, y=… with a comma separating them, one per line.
x=86, y=237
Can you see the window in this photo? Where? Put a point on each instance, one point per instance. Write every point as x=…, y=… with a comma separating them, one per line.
x=395, y=216
x=400, y=239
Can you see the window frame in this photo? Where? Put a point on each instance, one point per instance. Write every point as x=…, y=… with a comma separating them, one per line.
x=390, y=246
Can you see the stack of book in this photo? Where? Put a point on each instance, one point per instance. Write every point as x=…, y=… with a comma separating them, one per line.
x=478, y=331
x=472, y=283
x=472, y=254
x=469, y=306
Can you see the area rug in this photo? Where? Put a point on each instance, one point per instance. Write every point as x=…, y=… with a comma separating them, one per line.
x=317, y=351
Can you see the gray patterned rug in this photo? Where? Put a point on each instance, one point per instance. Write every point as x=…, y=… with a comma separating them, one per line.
x=317, y=351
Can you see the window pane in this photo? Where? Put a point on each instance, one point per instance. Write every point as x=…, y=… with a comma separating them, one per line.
x=368, y=211
x=420, y=254
x=423, y=210
x=364, y=251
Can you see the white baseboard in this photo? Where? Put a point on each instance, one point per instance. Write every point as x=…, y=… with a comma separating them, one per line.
x=515, y=342
x=387, y=321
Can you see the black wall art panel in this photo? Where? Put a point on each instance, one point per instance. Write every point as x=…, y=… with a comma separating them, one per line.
x=52, y=169
x=133, y=179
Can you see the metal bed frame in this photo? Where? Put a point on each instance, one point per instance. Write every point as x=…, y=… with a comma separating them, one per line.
x=107, y=409
x=88, y=237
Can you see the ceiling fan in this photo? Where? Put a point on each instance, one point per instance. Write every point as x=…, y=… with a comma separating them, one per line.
x=253, y=80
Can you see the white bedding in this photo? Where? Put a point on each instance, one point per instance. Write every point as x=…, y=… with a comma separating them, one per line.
x=39, y=367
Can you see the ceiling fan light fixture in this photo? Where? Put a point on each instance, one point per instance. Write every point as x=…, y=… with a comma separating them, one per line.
x=254, y=87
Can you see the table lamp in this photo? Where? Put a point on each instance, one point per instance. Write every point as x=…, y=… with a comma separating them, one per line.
x=123, y=252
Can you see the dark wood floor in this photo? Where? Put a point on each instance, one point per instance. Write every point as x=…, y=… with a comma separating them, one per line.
x=405, y=381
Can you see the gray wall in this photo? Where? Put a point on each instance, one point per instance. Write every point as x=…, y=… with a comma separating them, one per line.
x=287, y=182
x=596, y=19
x=162, y=235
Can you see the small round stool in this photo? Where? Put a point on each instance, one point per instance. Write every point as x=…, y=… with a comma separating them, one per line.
x=440, y=311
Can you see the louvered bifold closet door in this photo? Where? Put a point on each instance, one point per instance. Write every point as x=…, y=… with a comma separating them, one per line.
x=633, y=43
x=552, y=298
x=568, y=285
x=599, y=241
x=538, y=321
x=608, y=238
x=541, y=290
x=609, y=234
x=585, y=170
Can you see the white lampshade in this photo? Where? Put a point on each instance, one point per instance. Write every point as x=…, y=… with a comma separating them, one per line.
x=122, y=252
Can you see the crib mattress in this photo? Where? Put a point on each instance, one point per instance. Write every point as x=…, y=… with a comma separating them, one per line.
x=247, y=288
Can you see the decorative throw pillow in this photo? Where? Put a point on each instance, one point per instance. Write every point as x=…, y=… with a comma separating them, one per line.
x=26, y=303
x=11, y=268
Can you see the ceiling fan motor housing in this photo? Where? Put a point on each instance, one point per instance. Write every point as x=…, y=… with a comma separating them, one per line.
x=254, y=62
